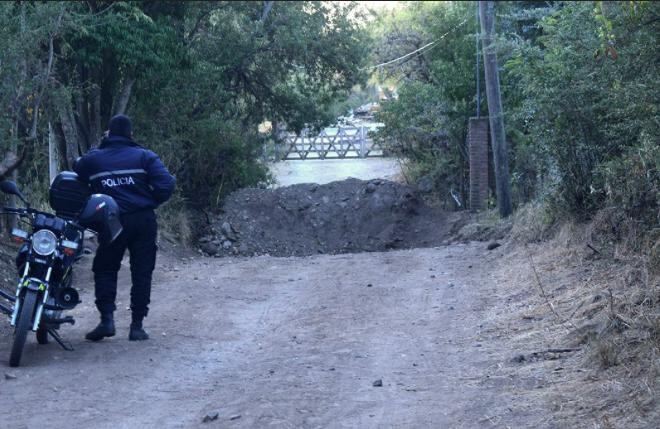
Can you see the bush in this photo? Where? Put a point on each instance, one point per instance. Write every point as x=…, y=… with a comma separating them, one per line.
x=419, y=130
x=632, y=181
x=586, y=97
x=213, y=159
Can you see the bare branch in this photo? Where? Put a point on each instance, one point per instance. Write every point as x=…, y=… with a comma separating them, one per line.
x=545, y=296
x=10, y=163
x=268, y=5
x=44, y=82
x=199, y=22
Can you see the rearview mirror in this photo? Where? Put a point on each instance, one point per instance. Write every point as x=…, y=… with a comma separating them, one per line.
x=10, y=187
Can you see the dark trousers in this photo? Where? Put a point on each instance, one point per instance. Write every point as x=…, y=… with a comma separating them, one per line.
x=139, y=237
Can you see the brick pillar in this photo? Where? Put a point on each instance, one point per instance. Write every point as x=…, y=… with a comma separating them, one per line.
x=478, y=150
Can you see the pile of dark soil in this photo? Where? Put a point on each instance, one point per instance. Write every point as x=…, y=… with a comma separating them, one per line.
x=339, y=217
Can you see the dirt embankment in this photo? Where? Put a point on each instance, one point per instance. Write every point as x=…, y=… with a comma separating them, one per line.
x=340, y=217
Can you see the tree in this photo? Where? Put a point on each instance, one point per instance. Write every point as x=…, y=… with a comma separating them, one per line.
x=427, y=125
x=586, y=101
x=196, y=77
x=580, y=86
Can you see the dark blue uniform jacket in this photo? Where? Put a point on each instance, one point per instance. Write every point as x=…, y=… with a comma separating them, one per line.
x=134, y=176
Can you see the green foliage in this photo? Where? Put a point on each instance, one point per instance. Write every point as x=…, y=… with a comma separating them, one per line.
x=427, y=124
x=358, y=96
x=632, y=181
x=580, y=94
x=239, y=71
x=196, y=77
x=416, y=130
x=584, y=105
x=214, y=158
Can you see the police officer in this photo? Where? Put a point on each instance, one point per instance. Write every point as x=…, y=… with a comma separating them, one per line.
x=137, y=179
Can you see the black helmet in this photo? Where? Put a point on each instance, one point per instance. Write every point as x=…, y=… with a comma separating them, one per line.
x=120, y=125
x=101, y=215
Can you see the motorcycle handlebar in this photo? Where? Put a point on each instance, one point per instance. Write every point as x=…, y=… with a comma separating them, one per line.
x=20, y=211
x=30, y=211
x=12, y=210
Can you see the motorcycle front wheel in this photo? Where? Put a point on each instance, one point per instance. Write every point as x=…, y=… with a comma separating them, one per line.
x=42, y=334
x=23, y=325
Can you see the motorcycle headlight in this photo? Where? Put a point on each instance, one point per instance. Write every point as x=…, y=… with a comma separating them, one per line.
x=44, y=242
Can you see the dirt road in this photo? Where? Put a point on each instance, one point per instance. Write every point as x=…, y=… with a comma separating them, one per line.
x=290, y=342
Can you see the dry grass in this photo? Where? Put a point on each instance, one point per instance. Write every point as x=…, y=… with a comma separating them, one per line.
x=598, y=289
x=177, y=224
x=532, y=223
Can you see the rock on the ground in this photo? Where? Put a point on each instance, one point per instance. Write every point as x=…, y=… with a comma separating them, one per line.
x=209, y=248
x=228, y=231
x=209, y=417
x=493, y=245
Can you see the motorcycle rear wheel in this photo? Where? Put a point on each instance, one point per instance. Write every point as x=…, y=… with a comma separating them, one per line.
x=23, y=325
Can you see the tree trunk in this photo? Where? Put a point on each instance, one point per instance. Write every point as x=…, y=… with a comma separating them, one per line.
x=11, y=221
x=69, y=131
x=60, y=140
x=268, y=5
x=95, y=118
x=53, y=158
x=44, y=82
x=82, y=118
x=124, y=96
x=496, y=116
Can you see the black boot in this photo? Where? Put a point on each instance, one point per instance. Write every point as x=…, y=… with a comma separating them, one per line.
x=104, y=329
x=137, y=332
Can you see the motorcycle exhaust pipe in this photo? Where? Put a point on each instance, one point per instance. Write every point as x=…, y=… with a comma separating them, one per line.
x=68, y=319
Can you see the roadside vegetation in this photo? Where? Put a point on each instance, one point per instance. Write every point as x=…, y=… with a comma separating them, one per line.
x=581, y=94
x=196, y=77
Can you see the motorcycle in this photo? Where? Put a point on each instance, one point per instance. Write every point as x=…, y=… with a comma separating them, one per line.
x=49, y=247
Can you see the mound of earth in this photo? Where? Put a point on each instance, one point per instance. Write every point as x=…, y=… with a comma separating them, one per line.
x=339, y=217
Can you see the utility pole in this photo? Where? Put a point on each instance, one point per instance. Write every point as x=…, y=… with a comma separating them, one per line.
x=496, y=116
x=476, y=69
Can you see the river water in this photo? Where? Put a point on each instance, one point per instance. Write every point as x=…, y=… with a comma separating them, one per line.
x=329, y=170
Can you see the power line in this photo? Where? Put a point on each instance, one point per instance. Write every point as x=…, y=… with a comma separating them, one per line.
x=428, y=45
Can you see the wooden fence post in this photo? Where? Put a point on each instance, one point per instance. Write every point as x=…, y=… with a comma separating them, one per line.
x=363, y=143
